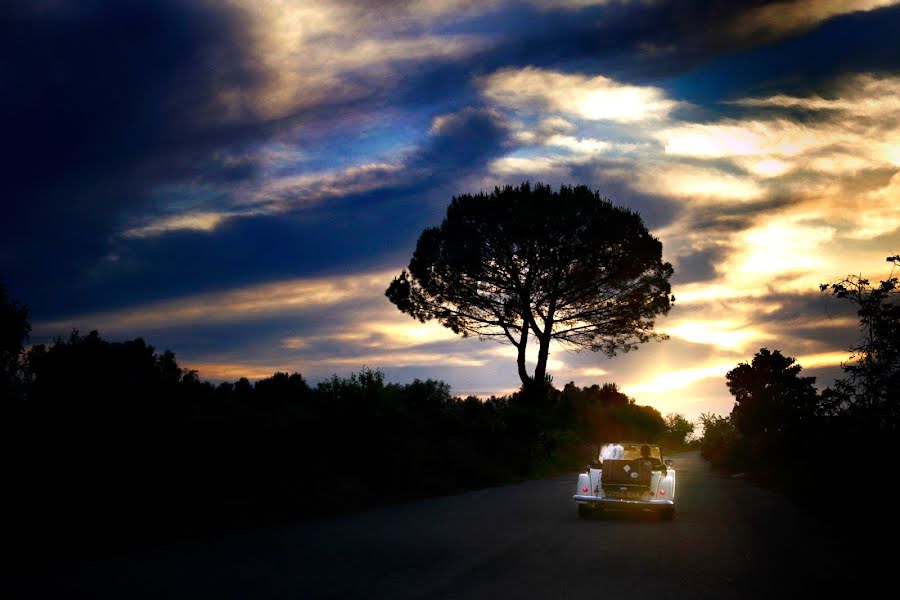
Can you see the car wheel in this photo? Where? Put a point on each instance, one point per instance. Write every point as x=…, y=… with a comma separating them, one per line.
x=668, y=514
x=585, y=511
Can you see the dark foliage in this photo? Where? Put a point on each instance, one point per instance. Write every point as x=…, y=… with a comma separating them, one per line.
x=721, y=444
x=603, y=413
x=521, y=261
x=780, y=424
x=774, y=407
x=678, y=429
x=113, y=444
x=14, y=333
x=871, y=390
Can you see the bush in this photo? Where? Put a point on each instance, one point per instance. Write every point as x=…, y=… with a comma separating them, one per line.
x=722, y=444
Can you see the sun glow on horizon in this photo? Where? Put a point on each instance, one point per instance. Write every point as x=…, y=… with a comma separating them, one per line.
x=727, y=334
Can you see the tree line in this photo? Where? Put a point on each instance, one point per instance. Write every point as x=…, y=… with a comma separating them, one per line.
x=107, y=442
x=785, y=432
x=119, y=436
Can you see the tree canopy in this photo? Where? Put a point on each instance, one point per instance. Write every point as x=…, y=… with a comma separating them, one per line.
x=528, y=261
x=870, y=390
x=770, y=396
x=678, y=428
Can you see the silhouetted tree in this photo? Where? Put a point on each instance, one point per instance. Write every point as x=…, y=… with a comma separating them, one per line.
x=721, y=444
x=871, y=390
x=604, y=414
x=773, y=403
x=608, y=394
x=769, y=394
x=642, y=423
x=522, y=261
x=14, y=333
x=678, y=428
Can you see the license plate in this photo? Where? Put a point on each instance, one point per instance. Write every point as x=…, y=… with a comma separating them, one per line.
x=623, y=494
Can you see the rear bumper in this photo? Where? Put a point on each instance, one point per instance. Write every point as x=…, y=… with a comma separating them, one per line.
x=624, y=504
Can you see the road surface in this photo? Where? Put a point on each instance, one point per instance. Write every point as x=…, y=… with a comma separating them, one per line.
x=729, y=539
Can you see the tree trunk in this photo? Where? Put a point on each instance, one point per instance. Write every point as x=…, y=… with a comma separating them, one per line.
x=520, y=361
x=540, y=370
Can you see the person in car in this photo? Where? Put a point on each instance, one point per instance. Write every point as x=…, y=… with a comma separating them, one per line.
x=654, y=463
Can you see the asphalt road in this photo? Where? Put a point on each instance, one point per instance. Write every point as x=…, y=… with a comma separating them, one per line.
x=729, y=539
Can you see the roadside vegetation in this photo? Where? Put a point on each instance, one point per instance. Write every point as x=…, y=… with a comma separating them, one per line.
x=781, y=426
x=109, y=444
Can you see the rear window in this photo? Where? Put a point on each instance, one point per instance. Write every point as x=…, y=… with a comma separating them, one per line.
x=627, y=451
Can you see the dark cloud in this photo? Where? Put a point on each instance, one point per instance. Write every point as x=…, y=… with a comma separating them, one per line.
x=732, y=217
x=607, y=177
x=98, y=87
x=825, y=376
x=800, y=65
x=634, y=40
x=698, y=266
x=101, y=100
x=241, y=251
x=465, y=139
x=672, y=34
x=815, y=318
x=349, y=233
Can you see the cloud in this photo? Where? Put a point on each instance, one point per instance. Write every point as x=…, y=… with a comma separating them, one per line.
x=696, y=264
x=861, y=95
x=251, y=302
x=292, y=225
x=385, y=330
x=781, y=18
x=779, y=246
x=753, y=138
x=464, y=139
x=98, y=114
x=595, y=98
x=825, y=178
x=197, y=221
x=678, y=380
x=696, y=183
x=728, y=334
x=858, y=129
x=879, y=212
x=330, y=52
x=455, y=141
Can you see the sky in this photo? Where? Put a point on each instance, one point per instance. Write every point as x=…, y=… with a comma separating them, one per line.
x=239, y=181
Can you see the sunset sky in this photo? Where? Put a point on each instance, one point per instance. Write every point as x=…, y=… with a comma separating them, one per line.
x=239, y=181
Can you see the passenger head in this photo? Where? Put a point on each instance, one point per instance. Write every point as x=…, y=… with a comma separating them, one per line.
x=645, y=451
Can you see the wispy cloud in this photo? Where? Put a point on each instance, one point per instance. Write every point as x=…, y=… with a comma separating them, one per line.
x=596, y=98
x=781, y=18
x=253, y=302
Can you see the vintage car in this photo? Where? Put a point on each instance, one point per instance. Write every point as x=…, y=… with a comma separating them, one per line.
x=627, y=476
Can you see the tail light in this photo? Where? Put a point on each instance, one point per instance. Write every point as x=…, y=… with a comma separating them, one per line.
x=584, y=489
x=662, y=492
